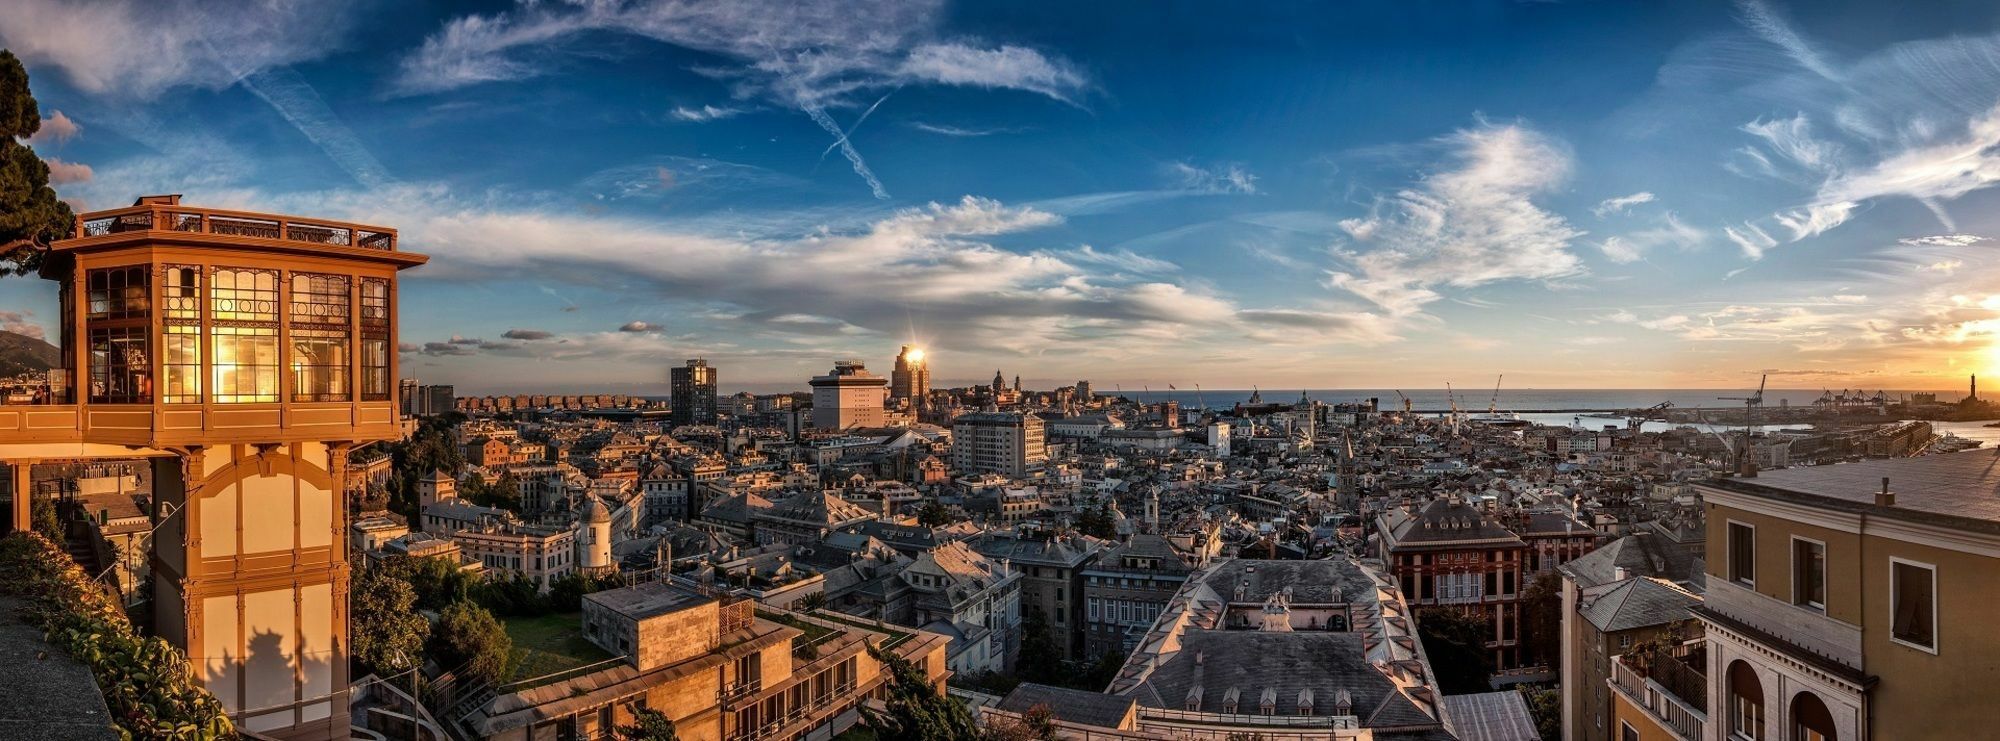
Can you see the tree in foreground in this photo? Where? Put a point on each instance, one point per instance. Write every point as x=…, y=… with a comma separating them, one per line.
x=30, y=214
x=468, y=640
x=1541, y=618
x=389, y=635
x=648, y=725
x=914, y=709
x=1455, y=642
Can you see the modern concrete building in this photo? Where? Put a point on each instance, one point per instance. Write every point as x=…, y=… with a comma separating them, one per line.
x=245, y=354
x=1007, y=443
x=910, y=381
x=848, y=396
x=693, y=393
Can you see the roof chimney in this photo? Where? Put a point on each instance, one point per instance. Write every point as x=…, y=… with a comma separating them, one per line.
x=1886, y=498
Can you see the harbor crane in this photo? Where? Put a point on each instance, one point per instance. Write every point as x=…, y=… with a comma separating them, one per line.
x=1493, y=404
x=1752, y=404
x=1639, y=418
x=1406, y=401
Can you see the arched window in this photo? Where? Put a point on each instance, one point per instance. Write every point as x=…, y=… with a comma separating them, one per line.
x=1746, y=703
x=1810, y=719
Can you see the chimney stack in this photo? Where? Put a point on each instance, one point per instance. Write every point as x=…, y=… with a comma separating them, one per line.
x=1886, y=498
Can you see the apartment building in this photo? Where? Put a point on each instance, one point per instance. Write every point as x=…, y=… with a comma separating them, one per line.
x=1051, y=566
x=715, y=664
x=1128, y=586
x=1633, y=590
x=1005, y=443
x=1853, y=601
x=1449, y=553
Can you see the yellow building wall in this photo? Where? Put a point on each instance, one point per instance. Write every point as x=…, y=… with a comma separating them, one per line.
x=1774, y=558
x=1922, y=695
x=1624, y=714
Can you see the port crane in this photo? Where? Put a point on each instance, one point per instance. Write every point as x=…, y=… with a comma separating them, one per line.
x=1640, y=418
x=1752, y=404
x=1406, y=401
x=1493, y=404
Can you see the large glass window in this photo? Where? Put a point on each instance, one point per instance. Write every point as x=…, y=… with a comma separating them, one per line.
x=118, y=293
x=1746, y=703
x=120, y=367
x=246, y=364
x=1913, y=604
x=1809, y=574
x=243, y=305
x=180, y=343
x=321, y=317
x=375, y=384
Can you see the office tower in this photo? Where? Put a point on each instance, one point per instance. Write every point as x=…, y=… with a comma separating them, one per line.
x=244, y=355
x=911, y=378
x=848, y=396
x=439, y=399
x=693, y=393
x=1005, y=443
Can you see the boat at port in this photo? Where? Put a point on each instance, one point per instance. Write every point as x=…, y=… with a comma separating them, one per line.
x=1950, y=443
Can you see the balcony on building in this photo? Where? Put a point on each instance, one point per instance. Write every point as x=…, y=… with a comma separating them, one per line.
x=1670, y=686
x=185, y=326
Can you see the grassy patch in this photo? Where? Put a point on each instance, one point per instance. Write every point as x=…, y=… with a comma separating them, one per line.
x=547, y=644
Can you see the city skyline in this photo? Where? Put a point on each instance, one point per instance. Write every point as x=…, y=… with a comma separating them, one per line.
x=1683, y=196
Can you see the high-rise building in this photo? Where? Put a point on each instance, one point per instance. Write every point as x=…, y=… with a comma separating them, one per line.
x=693, y=393
x=439, y=399
x=911, y=378
x=1005, y=443
x=244, y=355
x=848, y=396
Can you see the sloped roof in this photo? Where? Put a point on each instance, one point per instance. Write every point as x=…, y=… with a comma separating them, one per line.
x=818, y=508
x=1491, y=716
x=1640, y=554
x=1639, y=603
x=1075, y=706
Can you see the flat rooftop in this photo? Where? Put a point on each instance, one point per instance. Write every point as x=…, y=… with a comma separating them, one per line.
x=651, y=599
x=1952, y=489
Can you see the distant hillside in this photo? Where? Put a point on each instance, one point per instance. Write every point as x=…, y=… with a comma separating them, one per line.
x=20, y=353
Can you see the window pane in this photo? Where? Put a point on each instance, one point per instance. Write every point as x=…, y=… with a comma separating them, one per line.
x=121, y=370
x=319, y=365
x=1809, y=581
x=1742, y=553
x=181, y=352
x=1915, y=608
x=118, y=293
x=246, y=364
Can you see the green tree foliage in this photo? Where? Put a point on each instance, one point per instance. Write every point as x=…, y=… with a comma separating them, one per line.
x=468, y=640
x=433, y=448
x=1546, y=707
x=1041, y=658
x=1455, y=642
x=43, y=516
x=933, y=514
x=914, y=710
x=648, y=725
x=1541, y=618
x=1101, y=672
x=1097, y=522
x=388, y=633
x=435, y=581
x=30, y=214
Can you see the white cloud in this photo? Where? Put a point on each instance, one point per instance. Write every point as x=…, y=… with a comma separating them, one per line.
x=1814, y=219
x=1224, y=179
x=958, y=131
x=1669, y=231
x=63, y=173
x=1773, y=27
x=1009, y=67
x=1468, y=225
x=1793, y=140
x=706, y=113
x=1943, y=240
x=56, y=129
x=1751, y=239
x=1618, y=205
x=140, y=49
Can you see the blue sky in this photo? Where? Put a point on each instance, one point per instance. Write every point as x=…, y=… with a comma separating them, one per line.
x=1327, y=195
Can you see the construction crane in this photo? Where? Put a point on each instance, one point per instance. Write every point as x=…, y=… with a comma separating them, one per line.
x=1198, y=397
x=1751, y=405
x=1406, y=401
x=1640, y=418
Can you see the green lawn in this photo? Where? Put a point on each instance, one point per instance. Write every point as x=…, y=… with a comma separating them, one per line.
x=549, y=644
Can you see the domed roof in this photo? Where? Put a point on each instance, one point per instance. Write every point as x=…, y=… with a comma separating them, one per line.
x=594, y=510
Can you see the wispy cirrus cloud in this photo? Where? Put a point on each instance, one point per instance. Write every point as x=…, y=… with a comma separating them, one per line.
x=141, y=49
x=1943, y=240
x=958, y=131
x=704, y=113
x=1619, y=204
x=1220, y=179
x=1471, y=223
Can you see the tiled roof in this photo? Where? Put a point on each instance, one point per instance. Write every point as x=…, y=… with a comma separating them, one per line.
x=1639, y=603
x=1074, y=706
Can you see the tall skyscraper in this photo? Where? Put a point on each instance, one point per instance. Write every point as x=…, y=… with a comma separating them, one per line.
x=693, y=393
x=244, y=355
x=911, y=378
x=848, y=396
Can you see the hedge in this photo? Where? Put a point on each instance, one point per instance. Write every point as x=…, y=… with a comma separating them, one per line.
x=145, y=680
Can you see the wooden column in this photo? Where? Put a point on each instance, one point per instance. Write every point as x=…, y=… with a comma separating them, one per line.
x=23, y=501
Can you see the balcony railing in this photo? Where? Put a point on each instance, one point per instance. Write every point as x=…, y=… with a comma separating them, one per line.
x=1673, y=691
x=236, y=224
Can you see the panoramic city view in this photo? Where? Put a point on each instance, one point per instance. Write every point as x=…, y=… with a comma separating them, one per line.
x=551, y=370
